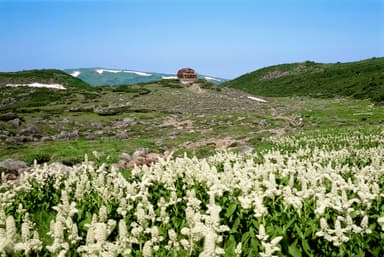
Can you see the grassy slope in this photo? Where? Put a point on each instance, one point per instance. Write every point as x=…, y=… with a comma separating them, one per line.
x=363, y=79
x=41, y=76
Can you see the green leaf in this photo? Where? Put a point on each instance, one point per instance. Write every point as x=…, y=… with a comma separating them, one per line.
x=375, y=252
x=286, y=226
x=299, y=232
x=360, y=253
x=252, y=233
x=293, y=250
x=231, y=209
x=236, y=225
x=255, y=244
x=230, y=246
x=245, y=238
x=306, y=247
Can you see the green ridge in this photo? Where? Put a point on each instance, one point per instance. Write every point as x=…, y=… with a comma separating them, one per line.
x=41, y=76
x=362, y=79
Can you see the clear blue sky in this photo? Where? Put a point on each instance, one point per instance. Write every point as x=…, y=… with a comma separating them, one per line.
x=219, y=38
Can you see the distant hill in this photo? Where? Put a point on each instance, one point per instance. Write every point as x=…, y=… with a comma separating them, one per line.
x=362, y=79
x=41, y=76
x=104, y=76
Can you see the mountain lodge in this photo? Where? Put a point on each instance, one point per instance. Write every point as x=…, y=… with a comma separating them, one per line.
x=187, y=75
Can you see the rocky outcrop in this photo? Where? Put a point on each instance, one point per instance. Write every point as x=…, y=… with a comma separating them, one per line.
x=20, y=139
x=13, y=165
x=66, y=135
x=13, y=168
x=140, y=157
x=31, y=129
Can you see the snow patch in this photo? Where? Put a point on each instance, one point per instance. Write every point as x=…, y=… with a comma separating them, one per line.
x=75, y=74
x=210, y=78
x=39, y=85
x=138, y=73
x=257, y=99
x=168, y=77
x=100, y=71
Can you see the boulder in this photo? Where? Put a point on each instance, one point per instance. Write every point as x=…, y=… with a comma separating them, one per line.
x=90, y=137
x=15, y=122
x=46, y=138
x=129, y=121
x=140, y=152
x=125, y=156
x=140, y=158
x=31, y=129
x=122, y=136
x=13, y=165
x=152, y=157
x=67, y=135
x=61, y=167
x=20, y=139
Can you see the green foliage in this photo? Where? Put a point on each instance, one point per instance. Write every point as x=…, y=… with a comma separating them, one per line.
x=137, y=90
x=39, y=157
x=170, y=83
x=8, y=116
x=363, y=79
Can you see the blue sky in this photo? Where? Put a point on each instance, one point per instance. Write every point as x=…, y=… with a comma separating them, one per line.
x=219, y=38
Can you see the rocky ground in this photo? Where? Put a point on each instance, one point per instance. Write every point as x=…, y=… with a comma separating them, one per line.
x=135, y=125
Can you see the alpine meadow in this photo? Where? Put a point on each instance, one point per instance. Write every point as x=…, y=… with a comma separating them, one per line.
x=191, y=128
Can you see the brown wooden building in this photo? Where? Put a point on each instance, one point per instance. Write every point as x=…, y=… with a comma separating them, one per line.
x=187, y=75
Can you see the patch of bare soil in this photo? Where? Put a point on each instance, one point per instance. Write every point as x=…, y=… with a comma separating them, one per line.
x=195, y=88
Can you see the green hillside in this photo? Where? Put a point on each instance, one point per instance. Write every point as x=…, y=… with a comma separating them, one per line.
x=41, y=76
x=363, y=79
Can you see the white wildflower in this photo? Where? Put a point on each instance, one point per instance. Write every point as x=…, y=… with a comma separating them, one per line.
x=123, y=232
x=74, y=236
x=238, y=249
x=10, y=228
x=100, y=232
x=380, y=220
x=172, y=235
x=185, y=231
x=209, y=244
x=185, y=244
x=262, y=235
x=364, y=222
x=25, y=228
x=147, y=249
x=103, y=216
x=271, y=247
